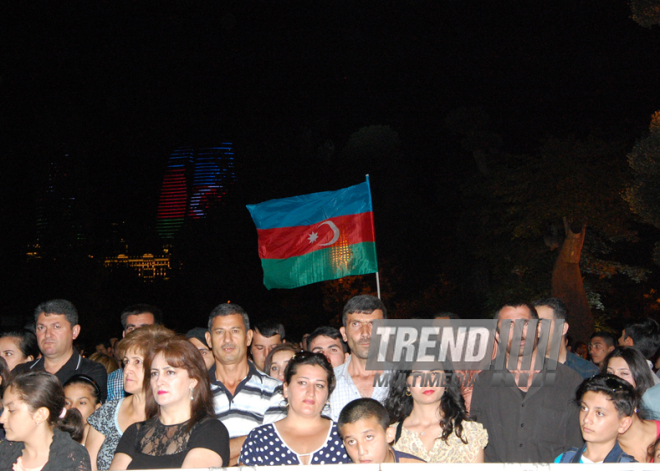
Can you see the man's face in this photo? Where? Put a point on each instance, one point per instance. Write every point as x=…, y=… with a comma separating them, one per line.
x=598, y=349
x=55, y=335
x=261, y=347
x=329, y=347
x=203, y=349
x=546, y=312
x=357, y=333
x=625, y=341
x=135, y=321
x=100, y=348
x=229, y=339
x=366, y=441
x=513, y=313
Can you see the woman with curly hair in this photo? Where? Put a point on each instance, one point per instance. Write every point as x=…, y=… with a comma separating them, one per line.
x=431, y=421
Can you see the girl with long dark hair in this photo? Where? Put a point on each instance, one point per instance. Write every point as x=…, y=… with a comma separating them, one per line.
x=430, y=419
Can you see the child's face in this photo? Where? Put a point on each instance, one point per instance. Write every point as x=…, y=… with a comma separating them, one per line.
x=367, y=442
x=81, y=397
x=599, y=419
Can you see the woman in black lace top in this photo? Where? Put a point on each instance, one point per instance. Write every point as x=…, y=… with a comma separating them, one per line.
x=181, y=430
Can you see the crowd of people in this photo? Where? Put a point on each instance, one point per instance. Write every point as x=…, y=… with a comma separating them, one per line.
x=235, y=393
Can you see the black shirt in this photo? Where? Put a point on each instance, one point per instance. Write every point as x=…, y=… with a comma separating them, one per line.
x=531, y=427
x=76, y=365
x=153, y=445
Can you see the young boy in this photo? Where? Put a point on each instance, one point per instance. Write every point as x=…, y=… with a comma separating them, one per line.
x=607, y=404
x=364, y=427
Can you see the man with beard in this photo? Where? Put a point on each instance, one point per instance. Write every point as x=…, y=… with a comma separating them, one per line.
x=353, y=379
x=530, y=417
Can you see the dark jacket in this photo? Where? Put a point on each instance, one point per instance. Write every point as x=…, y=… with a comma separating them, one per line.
x=65, y=454
x=616, y=455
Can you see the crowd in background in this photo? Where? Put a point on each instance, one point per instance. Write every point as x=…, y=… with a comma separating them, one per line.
x=235, y=393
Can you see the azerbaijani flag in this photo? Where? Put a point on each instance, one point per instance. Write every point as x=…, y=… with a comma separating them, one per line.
x=321, y=236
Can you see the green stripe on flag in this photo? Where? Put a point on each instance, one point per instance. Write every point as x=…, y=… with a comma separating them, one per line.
x=320, y=265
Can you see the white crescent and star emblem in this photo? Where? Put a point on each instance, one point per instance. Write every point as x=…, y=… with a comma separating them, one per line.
x=313, y=237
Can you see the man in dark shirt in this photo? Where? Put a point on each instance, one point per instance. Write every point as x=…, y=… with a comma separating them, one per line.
x=56, y=328
x=553, y=309
x=526, y=423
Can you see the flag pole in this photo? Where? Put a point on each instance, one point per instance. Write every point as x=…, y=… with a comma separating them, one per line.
x=373, y=231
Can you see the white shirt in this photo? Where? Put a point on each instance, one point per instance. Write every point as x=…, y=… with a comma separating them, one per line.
x=346, y=391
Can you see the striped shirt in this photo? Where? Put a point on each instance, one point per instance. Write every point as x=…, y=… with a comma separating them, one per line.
x=257, y=400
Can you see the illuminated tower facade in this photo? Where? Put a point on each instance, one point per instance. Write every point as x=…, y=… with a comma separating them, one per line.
x=194, y=179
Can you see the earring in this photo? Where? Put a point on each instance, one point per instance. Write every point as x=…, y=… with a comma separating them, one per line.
x=408, y=392
x=192, y=397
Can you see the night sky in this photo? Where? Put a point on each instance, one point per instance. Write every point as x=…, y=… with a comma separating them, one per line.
x=122, y=84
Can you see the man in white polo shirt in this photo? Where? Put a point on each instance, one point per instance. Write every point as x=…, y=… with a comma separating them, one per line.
x=243, y=398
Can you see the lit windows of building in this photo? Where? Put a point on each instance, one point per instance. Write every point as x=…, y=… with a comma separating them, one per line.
x=148, y=266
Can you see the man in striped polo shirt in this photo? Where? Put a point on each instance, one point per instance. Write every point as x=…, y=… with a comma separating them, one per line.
x=243, y=397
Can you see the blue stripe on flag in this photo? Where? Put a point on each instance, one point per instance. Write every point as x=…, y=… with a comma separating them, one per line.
x=305, y=210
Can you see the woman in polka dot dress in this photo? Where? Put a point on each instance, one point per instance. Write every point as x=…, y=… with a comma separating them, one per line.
x=304, y=436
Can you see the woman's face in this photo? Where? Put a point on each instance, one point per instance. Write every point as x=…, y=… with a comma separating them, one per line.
x=171, y=386
x=425, y=386
x=133, y=371
x=307, y=392
x=16, y=418
x=618, y=367
x=10, y=350
x=278, y=364
x=81, y=397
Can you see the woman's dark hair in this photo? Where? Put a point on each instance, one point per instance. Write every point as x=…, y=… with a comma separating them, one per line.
x=86, y=381
x=310, y=358
x=651, y=450
x=178, y=352
x=452, y=405
x=639, y=368
x=620, y=392
x=40, y=389
x=4, y=376
x=27, y=342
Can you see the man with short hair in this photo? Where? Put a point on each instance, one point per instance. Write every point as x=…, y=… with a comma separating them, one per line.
x=104, y=348
x=267, y=335
x=132, y=317
x=243, y=398
x=600, y=345
x=645, y=337
x=328, y=341
x=56, y=329
x=529, y=418
x=553, y=309
x=353, y=379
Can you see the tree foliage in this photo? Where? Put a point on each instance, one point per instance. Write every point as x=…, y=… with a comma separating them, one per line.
x=643, y=195
x=518, y=213
x=645, y=12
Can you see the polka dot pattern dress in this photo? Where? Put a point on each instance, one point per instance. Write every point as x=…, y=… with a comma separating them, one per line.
x=264, y=447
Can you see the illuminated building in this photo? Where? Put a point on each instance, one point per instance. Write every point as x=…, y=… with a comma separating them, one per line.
x=148, y=266
x=195, y=178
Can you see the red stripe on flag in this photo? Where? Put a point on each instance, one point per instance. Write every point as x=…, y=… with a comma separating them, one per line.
x=285, y=242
